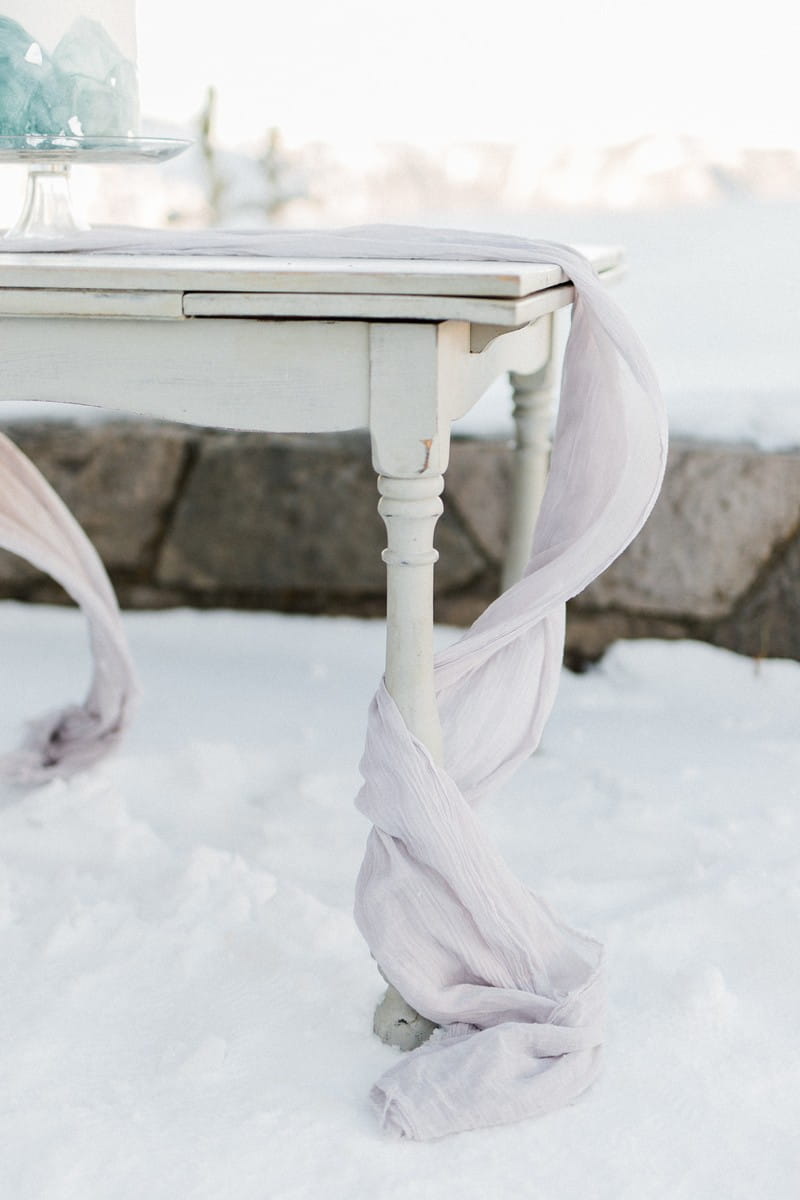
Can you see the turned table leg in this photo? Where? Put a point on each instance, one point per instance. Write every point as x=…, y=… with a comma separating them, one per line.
x=534, y=402
x=410, y=509
x=410, y=444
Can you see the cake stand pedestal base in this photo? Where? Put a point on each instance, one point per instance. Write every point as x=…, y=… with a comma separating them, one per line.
x=48, y=211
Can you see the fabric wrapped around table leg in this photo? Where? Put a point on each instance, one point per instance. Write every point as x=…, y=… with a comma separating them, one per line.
x=519, y=994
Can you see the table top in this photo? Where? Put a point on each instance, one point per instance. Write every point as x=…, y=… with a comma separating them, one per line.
x=229, y=273
x=174, y=286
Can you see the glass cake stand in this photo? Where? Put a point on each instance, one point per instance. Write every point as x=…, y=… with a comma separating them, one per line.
x=48, y=212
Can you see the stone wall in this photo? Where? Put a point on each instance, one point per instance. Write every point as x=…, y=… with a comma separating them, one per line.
x=207, y=518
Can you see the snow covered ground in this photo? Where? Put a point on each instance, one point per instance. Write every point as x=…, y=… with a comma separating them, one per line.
x=187, y=1004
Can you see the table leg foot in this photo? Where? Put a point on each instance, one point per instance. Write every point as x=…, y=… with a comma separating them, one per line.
x=397, y=1024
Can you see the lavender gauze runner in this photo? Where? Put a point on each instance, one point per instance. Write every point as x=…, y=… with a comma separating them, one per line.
x=518, y=994
x=37, y=525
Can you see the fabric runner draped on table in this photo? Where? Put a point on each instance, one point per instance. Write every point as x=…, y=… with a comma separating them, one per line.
x=518, y=993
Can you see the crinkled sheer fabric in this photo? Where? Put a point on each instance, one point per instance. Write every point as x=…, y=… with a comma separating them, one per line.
x=35, y=524
x=518, y=993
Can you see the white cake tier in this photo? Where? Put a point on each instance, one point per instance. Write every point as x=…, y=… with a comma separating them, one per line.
x=49, y=20
x=68, y=68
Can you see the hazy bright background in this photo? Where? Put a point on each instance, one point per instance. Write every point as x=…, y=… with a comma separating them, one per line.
x=433, y=70
x=553, y=88
x=674, y=131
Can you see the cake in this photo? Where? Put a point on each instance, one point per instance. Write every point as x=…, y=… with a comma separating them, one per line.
x=68, y=69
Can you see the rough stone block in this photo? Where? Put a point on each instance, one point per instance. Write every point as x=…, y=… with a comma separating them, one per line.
x=188, y=516
x=478, y=487
x=766, y=623
x=721, y=514
x=119, y=479
x=267, y=514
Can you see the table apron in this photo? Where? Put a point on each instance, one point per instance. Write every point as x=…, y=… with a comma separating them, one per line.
x=278, y=376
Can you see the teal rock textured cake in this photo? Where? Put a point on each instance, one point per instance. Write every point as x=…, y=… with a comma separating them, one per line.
x=85, y=88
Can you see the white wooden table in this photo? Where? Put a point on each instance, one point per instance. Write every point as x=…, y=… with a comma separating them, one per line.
x=401, y=348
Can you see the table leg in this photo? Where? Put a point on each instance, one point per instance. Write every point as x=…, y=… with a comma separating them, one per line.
x=410, y=378
x=534, y=402
x=410, y=509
